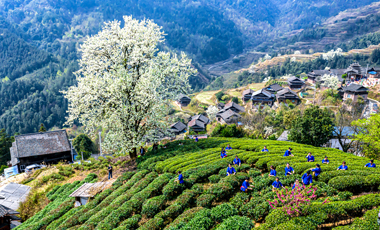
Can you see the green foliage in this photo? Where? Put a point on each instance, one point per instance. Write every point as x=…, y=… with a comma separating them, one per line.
x=83, y=144
x=236, y=223
x=222, y=212
x=369, y=135
x=227, y=131
x=219, y=95
x=214, y=178
x=236, y=100
x=42, y=128
x=152, y=206
x=314, y=127
x=205, y=200
x=5, y=144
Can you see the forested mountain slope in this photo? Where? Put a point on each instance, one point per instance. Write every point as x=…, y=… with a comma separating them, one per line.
x=39, y=41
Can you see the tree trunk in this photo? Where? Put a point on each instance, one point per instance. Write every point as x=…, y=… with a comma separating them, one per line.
x=133, y=153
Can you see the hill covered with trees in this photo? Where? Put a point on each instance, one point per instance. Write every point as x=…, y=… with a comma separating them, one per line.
x=150, y=198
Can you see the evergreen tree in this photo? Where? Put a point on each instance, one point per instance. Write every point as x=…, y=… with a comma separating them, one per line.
x=42, y=128
x=5, y=144
x=314, y=127
x=83, y=144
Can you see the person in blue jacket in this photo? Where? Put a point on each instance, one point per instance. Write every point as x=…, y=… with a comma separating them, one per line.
x=325, y=161
x=370, y=164
x=310, y=158
x=272, y=171
x=237, y=161
x=228, y=147
x=277, y=184
x=180, y=178
x=230, y=170
x=296, y=184
x=343, y=166
x=307, y=178
x=316, y=171
x=265, y=149
x=245, y=186
x=288, y=170
x=196, y=139
x=223, y=153
x=288, y=153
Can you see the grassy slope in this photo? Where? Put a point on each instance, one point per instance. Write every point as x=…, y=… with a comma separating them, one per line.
x=150, y=199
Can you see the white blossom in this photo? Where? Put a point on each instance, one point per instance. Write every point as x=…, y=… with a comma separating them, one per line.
x=267, y=57
x=332, y=53
x=330, y=81
x=293, y=59
x=211, y=112
x=125, y=84
x=297, y=52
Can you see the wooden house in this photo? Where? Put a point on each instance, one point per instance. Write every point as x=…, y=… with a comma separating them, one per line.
x=87, y=191
x=286, y=94
x=228, y=117
x=198, y=123
x=354, y=91
x=316, y=75
x=178, y=128
x=295, y=83
x=355, y=72
x=48, y=147
x=274, y=88
x=374, y=73
x=220, y=105
x=183, y=100
x=6, y=216
x=247, y=94
x=234, y=107
x=262, y=97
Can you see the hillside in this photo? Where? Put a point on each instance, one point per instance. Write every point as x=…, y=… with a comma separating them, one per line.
x=151, y=199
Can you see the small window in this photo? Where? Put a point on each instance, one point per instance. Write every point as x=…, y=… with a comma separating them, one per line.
x=22, y=167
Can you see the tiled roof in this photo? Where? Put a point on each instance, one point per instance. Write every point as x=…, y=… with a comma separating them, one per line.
x=4, y=211
x=355, y=88
x=196, y=123
x=236, y=106
x=42, y=143
x=227, y=114
x=201, y=118
x=263, y=91
x=274, y=87
x=13, y=194
x=90, y=189
x=180, y=96
x=179, y=126
x=286, y=91
x=295, y=79
x=248, y=91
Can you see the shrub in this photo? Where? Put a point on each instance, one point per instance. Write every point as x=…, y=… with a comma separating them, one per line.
x=345, y=195
x=220, y=190
x=201, y=221
x=227, y=131
x=153, y=224
x=214, y=179
x=239, y=200
x=130, y=223
x=152, y=206
x=205, y=200
x=181, y=220
x=236, y=223
x=223, y=211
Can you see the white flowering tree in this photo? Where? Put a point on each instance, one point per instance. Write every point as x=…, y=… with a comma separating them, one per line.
x=330, y=81
x=297, y=52
x=293, y=59
x=125, y=84
x=267, y=57
x=211, y=112
x=332, y=53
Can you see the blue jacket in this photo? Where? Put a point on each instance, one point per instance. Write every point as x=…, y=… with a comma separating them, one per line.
x=287, y=153
x=277, y=184
x=325, y=161
x=264, y=150
x=273, y=172
x=223, y=154
x=343, y=167
x=307, y=179
x=230, y=170
x=244, y=186
x=227, y=148
x=237, y=161
x=370, y=166
x=287, y=170
x=180, y=179
x=317, y=171
x=310, y=158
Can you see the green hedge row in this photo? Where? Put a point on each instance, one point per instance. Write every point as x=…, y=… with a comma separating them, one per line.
x=182, y=219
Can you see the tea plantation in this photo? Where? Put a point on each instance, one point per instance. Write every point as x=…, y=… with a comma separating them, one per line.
x=150, y=198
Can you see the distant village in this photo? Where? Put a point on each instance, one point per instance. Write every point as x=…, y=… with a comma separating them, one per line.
x=54, y=146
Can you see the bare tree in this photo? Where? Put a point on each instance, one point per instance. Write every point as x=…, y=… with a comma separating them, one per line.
x=344, y=130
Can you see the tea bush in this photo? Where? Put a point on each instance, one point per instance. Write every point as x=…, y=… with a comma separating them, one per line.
x=151, y=198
